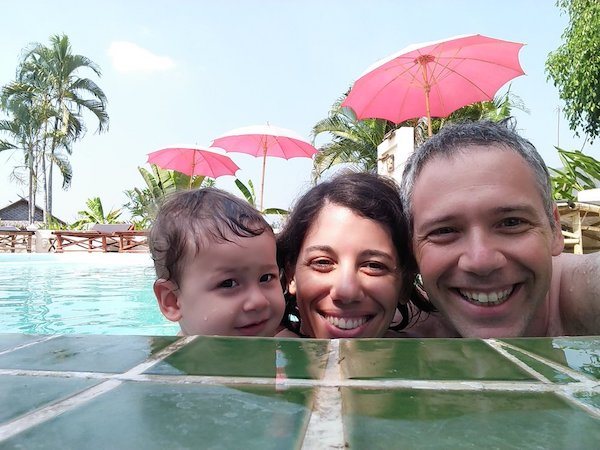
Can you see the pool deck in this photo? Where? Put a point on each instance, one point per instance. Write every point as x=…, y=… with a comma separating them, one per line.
x=217, y=392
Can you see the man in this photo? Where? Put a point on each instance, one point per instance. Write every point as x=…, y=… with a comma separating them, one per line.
x=487, y=239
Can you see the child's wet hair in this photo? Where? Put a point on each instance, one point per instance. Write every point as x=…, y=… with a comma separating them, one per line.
x=190, y=220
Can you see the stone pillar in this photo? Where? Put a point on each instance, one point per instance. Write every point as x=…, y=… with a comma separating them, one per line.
x=393, y=152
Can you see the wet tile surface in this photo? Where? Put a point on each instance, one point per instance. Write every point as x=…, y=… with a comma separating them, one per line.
x=21, y=394
x=431, y=359
x=578, y=353
x=263, y=393
x=435, y=419
x=249, y=357
x=86, y=353
x=160, y=416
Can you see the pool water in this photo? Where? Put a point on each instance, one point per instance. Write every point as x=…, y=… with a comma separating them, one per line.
x=80, y=294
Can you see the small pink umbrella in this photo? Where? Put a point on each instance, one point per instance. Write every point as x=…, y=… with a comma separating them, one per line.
x=193, y=161
x=265, y=140
x=435, y=78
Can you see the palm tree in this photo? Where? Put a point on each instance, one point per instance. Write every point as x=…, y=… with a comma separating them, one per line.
x=24, y=128
x=50, y=73
x=250, y=196
x=579, y=172
x=144, y=203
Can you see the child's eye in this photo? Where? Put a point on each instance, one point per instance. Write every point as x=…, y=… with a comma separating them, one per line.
x=230, y=283
x=268, y=277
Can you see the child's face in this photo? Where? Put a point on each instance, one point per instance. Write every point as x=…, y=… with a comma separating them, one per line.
x=232, y=289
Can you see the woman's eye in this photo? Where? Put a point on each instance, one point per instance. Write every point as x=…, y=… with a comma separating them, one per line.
x=230, y=283
x=321, y=263
x=375, y=267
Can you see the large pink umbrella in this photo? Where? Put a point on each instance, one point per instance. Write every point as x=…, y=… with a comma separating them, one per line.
x=193, y=161
x=265, y=140
x=435, y=78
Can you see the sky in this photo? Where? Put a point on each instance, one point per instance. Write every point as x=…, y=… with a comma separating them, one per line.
x=184, y=72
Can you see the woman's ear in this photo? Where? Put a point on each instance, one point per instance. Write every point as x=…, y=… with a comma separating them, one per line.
x=168, y=302
x=292, y=286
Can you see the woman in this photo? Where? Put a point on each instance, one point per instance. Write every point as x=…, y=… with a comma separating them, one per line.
x=346, y=260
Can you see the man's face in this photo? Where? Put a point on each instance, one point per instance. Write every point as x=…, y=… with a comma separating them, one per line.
x=483, y=242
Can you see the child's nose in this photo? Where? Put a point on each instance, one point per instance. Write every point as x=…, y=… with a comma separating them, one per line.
x=256, y=299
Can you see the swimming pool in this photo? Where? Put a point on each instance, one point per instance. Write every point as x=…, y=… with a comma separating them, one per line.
x=79, y=294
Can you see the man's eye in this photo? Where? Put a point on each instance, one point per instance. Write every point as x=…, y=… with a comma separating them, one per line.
x=230, y=283
x=512, y=222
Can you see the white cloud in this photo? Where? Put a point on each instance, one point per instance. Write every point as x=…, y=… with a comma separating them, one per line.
x=128, y=57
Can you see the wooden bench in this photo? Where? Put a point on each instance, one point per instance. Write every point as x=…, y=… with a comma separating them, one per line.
x=133, y=240
x=13, y=240
x=101, y=238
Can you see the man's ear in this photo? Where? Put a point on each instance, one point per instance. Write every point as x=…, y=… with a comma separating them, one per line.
x=168, y=302
x=558, y=240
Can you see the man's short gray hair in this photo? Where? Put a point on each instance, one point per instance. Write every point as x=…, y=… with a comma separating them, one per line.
x=456, y=138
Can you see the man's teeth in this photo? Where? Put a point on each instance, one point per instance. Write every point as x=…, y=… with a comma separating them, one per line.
x=493, y=298
x=346, y=324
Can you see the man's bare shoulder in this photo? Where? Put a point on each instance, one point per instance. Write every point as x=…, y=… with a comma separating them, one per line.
x=576, y=288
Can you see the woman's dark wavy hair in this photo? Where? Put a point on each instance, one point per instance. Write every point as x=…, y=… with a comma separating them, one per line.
x=189, y=220
x=368, y=195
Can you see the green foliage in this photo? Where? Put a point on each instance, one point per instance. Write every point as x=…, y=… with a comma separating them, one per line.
x=144, y=203
x=95, y=214
x=574, y=67
x=250, y=196
x=49, y=89
x=355, y=141
x=579, y=172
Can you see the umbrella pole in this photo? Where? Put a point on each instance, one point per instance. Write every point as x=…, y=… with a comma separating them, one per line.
x=262, y=178
x=427, y=88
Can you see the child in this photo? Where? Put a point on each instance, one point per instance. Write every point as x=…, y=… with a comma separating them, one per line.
x=216, y=268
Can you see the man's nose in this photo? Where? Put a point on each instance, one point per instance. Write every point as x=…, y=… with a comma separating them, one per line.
x=482, y=254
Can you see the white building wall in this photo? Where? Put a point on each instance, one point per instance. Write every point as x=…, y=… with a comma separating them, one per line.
x=393, y=152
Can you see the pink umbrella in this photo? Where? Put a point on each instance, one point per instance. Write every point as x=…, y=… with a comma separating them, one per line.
x=193, y=161
x=265, y=140
x=435, y=78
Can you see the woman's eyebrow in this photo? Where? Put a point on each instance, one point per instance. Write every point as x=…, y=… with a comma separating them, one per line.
x=373, y=252
x=319, y=248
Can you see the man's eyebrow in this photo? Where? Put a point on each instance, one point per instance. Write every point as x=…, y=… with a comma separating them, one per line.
x=503, y=209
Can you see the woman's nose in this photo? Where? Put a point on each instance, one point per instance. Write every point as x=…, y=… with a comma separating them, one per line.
x=481, y=255
x=345, y=286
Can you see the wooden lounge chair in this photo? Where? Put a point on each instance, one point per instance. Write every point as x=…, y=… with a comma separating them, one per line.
x=580, y=224
x=133, y=240
x=13, y=240
x=100, y=238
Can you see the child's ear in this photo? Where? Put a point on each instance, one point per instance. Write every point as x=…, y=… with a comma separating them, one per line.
x=168, y=302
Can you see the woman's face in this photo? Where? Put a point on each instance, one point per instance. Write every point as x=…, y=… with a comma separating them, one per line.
x=346, y=279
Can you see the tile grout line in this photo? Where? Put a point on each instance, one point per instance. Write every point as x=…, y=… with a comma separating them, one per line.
x=531, y=371
x=28, y=344
x=325, y=428
x=565, y=370
x=564, y=391
x=43, y=414
x=456, y=385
